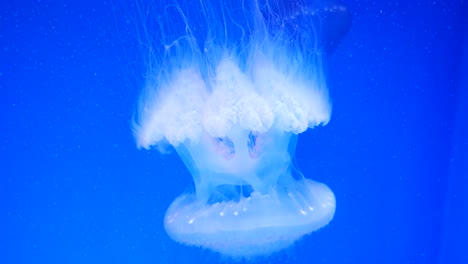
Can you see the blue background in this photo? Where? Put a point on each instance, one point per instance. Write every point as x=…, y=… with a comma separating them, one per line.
x=74, y=188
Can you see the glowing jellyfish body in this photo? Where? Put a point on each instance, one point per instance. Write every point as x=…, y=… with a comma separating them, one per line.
x=232, y=107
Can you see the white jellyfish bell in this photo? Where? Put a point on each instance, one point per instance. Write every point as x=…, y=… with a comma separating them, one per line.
x=233, y=87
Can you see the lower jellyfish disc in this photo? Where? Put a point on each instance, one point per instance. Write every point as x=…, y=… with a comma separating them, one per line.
x=254, y=226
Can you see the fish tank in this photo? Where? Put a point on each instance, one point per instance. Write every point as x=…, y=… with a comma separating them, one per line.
x=223, y=131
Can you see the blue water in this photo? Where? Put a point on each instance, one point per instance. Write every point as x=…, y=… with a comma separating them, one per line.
x=75, y=189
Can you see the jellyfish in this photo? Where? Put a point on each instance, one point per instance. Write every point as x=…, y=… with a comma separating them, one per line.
x=229, y=87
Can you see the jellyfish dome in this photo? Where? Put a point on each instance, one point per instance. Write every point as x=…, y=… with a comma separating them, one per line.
x=230, y=87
